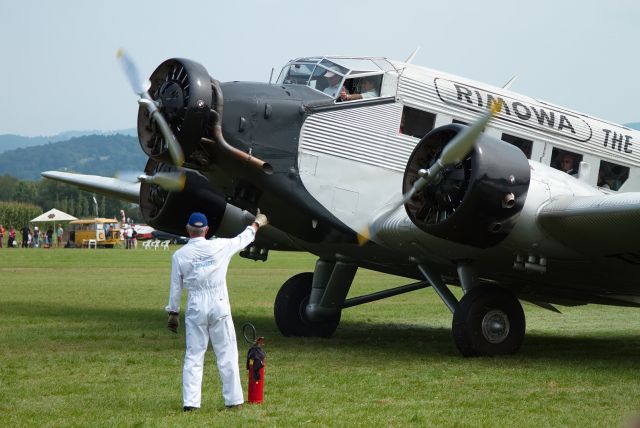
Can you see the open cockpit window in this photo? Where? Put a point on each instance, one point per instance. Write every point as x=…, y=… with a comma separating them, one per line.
x=362, y=88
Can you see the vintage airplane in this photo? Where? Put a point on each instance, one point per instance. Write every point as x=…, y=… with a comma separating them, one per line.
x=370, y=163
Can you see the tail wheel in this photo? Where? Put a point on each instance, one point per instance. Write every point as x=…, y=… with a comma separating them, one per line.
x=289, y=310
x=488, y=321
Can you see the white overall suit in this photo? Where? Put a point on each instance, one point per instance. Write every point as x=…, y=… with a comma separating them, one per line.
x=201, y=267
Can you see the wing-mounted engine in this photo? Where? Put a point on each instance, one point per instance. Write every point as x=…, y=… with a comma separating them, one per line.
x=183, y=91
x=169, y=211
x=476, y=202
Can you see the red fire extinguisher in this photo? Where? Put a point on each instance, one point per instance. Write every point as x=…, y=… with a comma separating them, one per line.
x=255, y=366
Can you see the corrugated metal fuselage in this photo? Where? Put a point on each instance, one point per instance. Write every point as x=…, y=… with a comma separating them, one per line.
x=337, y=164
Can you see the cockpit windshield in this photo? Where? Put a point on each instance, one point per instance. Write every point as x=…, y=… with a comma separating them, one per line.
x=333, y=75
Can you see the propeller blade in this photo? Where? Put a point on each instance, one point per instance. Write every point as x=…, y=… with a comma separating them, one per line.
x=131, y=71
x=169, y=181
x=453, y=153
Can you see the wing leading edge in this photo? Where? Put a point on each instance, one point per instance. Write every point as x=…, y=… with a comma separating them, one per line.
x=107, y=186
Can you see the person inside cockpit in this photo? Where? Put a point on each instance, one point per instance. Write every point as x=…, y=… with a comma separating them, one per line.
x=335, y=81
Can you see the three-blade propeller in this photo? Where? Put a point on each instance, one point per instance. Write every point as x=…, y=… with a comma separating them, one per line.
x=170, y=181
x=453, y=153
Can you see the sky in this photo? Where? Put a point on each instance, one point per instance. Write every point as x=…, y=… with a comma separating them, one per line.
x=59, y=70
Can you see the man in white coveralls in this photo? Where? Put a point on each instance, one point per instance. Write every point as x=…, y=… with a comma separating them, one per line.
x=201, y=267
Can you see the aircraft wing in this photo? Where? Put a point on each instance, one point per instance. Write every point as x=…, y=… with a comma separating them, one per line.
x=107, y=186
x=605, y=225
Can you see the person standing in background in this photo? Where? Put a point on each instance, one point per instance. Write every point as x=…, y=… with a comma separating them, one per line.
x=49, y=236
x=1, y=234
x=59, y=233
x=12, y=237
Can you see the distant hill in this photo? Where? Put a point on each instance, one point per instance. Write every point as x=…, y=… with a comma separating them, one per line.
x=11, y=141
x=91, y=154
x=633, y=125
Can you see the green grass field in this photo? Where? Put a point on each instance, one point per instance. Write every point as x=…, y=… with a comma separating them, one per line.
x=84, y=343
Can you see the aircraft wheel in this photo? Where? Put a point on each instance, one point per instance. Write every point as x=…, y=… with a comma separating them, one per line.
x=488, y=321
x=289, y=309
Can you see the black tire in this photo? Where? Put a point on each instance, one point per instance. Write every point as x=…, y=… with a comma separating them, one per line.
x=289, y=310
x=489, y=321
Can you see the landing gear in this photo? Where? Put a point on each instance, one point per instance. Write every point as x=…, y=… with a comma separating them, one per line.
x=290, y=310
x=488, y=321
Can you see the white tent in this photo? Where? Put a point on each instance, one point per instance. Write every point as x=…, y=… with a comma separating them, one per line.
x=53, y=215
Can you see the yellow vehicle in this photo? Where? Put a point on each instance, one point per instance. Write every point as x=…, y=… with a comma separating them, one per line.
x=95, y=232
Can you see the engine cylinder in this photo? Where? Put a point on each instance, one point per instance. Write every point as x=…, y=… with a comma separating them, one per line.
x=182, y=90
x=476, y=202
x=170, y=211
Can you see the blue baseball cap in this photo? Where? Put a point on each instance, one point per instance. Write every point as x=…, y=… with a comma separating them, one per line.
x=197, y=220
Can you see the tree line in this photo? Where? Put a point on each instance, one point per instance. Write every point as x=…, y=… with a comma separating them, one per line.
x=22, y=200
x=90, y=154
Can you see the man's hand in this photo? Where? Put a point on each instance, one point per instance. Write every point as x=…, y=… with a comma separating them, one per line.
x=173, y=322
x=261, y=219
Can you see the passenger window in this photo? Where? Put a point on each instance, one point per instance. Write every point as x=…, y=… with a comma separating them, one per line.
x=612, y=176
x=416, y=123
x=566, y=161
x=522, y=143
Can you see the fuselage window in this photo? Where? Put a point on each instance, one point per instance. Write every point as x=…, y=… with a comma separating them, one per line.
x=566, y=161
x=521, y=143
x=416, y=123
x=612, y=176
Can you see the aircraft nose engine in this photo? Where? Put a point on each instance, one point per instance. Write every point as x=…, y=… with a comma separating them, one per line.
x=169, y=211
x=476, y=202
x=182, y=89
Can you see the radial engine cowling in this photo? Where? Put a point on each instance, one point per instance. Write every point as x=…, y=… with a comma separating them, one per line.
x=478, y=201
x=170, y=211
x=182, y=89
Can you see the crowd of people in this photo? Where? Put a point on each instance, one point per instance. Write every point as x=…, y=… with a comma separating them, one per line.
x=32, y=237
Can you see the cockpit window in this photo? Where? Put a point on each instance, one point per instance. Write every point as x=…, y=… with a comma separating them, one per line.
x=297, y=73
x=365, y=87
x=360, y=77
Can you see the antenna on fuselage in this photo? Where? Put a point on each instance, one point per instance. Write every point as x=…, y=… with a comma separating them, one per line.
x=508, y=84
x=271, y=77
x=413, y=55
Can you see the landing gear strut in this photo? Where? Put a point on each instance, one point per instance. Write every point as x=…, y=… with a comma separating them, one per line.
x=487, y=321
x=290, y=310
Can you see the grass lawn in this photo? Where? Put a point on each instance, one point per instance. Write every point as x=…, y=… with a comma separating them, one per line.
x=84, y=343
